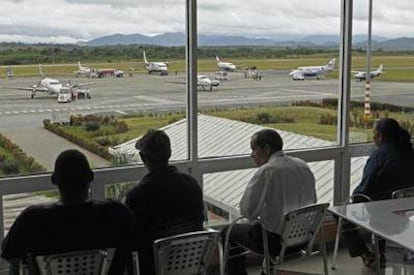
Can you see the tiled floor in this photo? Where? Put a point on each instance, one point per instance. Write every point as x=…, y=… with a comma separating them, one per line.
x=345, y=265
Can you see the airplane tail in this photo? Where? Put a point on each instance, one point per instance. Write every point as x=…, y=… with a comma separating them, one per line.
x=217, y=58
x=41, y=71
x=331, y=63
x=79, y=65
x=145, y=58
x=380, y=68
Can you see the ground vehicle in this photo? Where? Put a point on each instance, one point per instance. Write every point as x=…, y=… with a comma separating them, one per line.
x=64, y=95
x=298, y=76
x=221, y=75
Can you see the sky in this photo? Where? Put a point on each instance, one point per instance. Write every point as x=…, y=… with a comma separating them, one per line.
x=71, y=21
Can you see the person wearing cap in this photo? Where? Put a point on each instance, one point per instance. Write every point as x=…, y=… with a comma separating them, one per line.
x=166, y=201
x=73, y=223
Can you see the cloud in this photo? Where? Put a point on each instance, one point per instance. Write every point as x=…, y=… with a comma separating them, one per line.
x=87, y=19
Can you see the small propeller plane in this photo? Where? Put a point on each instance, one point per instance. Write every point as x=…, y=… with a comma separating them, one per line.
x=49, y=85
x=312, y=71
x=360, y=75
x=155, y=67
x=225, y=66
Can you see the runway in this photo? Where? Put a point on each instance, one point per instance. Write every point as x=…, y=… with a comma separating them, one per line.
x=154, y=93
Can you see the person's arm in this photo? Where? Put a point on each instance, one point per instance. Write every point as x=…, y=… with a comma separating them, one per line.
x=15, y=242
x=369, y=176
x=252, y=201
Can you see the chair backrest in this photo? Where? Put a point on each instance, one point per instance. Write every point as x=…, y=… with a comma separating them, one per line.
x=187, y=253
x=301, y=226
x=86, y=262
x=403, y=193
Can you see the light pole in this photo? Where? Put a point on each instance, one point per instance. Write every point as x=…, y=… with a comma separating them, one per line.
x=367, y=103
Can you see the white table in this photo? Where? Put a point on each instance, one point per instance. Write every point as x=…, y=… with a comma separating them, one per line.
x=392, y=220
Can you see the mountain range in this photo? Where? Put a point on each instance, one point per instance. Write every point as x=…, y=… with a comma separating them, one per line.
x=320, y=41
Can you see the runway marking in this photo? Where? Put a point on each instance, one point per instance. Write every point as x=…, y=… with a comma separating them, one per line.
x=154, y=99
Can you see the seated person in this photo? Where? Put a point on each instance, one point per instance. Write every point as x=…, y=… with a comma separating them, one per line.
x=166, y=201
x=281, y=184
x=73, y=223
x=388, y=168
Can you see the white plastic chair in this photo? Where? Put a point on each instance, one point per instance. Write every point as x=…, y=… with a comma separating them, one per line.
x=300, y=227
x=187, y=253
x=86, y=262
x=403, y=193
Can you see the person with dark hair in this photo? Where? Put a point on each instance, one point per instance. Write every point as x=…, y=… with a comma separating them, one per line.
x=281, y=184
x=166, y=201
x=388, y=168
x=74, y=223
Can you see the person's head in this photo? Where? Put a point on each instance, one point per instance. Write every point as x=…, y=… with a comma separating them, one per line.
x=387, y=130
x=154, y=148
x=72, y=175
x=265, y=143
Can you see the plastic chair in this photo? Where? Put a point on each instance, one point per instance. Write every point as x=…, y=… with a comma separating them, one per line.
x=187, y=253
x=403, y=193
x=300, y=226
x=86, y=262
x=352, y=199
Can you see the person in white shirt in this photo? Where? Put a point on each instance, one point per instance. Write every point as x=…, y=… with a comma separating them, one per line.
x=281, y=184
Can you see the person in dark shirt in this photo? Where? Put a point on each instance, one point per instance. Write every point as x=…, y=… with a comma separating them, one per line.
x=73, y=223
x=166, y=201
x=389, y=167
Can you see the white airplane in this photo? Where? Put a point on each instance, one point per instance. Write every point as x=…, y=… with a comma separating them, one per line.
x=360, y=75
x=50, y=86
x=158, y=67
x=225, y=66
x=206, y=83
x=85, y=71
x=312, y=71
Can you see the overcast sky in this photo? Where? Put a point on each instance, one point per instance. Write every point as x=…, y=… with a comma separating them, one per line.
x=80, y=20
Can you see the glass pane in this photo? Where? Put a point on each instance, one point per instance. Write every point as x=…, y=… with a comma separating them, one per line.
x=388, y=92
x=267, y=64
x=89, y=82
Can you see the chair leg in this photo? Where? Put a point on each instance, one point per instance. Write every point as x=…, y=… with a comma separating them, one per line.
x=221, y=257
x=266, y=251
x=323, y=249
x=336, y=247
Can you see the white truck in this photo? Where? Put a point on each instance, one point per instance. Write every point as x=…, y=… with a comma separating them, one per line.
x=65, y=95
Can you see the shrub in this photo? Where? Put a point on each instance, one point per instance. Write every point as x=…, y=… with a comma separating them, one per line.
x=9, y=167
x=92, y=126
x=263, y=118
x=104, y=141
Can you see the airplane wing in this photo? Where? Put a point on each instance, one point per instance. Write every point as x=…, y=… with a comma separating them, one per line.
x=41, y=89
x=82, y=84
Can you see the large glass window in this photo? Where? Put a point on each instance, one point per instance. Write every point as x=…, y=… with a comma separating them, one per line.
x=268, y=64
x=387, y=91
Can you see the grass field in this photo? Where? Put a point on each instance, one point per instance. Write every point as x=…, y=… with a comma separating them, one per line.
x=396, y=68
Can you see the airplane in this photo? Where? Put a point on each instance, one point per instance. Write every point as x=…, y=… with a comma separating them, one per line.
x=360, y=75
x=206, y=83
x=225, y=66
x=312, y=71
x=86, y=71
x=158, y=67
x=50, y=86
